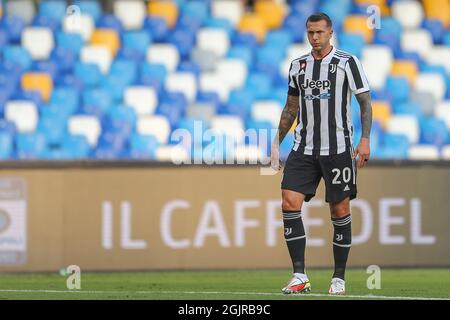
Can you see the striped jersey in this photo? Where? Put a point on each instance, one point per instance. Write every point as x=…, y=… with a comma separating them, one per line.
x=324, y=87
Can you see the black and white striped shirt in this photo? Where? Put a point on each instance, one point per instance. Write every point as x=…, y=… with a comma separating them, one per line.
x=324, y=87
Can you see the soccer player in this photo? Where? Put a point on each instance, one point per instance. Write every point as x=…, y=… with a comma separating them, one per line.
x=320, y=87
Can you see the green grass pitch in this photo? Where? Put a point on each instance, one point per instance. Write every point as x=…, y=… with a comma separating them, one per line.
x=224, y=285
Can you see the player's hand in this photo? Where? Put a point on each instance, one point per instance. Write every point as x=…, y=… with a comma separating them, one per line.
x=275, y=162
x=363, y=150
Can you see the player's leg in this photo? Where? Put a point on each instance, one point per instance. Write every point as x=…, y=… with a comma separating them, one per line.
x=294, y=234
x=339, y=174
x=300, y=180
x=342, y=239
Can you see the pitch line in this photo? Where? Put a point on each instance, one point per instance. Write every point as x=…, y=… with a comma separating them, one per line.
x=222, y=292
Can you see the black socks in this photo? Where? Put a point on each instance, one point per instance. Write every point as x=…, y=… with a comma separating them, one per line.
x=294, y=233
x=342, y=239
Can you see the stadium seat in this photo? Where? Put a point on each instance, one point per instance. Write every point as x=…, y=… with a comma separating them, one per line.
x=98, y=54
x=17, y=55
x=406, y=125
x=143, y=147
x=439, y=10
x=233, y=72
x=425, y=100
x=230, y=10
x=77, y=146
x=65, y=99
x=358, y=24
x=137, y=40
x=215, y=40
x=195, y=11
x=213, y=82
x=85, y=26
x=130, y=13
x=23, y=114
x=445, y=152
x=165, y=9
x=271, y=13
x=442, y=112
x=107, y=38
x=40, y=82
x=439, y=55
x=87, y=126
x=423, y=152
x=206, y=59
x=201, y=111
x=14, y=26
x=377, y=63
x=71, y=41
x=398, y=88
x=405, y=68
x=409, y=13
x=155, y=125
x=142, y=99
x=31, y=146
x=252, y=23
x=231, y=126
x=6, y=145
x=381, y=111
x=90, y=7
x=433, y=131
x=23, y=9
x=394, y=146
x=53, y=127
x=97, y=97
x=431, y=82
x=269, y=111
x=183, y=82
x=89, y=73
x=165, y=54
x=53, y=9
x=417, y=40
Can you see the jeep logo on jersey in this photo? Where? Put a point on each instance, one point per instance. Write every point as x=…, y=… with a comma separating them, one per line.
x=316, y=84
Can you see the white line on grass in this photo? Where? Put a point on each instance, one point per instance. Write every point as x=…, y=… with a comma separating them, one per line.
x=221, y=292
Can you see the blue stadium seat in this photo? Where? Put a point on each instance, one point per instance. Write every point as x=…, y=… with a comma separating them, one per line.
x=270, y=54
x=77, y=146
x=195, y=10
x=433, y=131
x=436, y=29
x=279, y=39
x=110, y=21
x=64, y=58
x=242, y=97
x=14, y=26
x=171, y=111
x=103, y=153
x=89, y=73
x=53, y=127
x=71, y=41
x=139, y=40
x=446, y=38
x=121, y=116
x=398, y=88
x=112, y=140
x=53, y=9
x=31, y=146
x=157, y=27
x=17, y=55
x=259, y=84
x=66, y=98
x=125, y=69
x=4, y=39
x=153, y=74
x=183, y=40
x=243, y=53
x=245, y=39
x=209, y=97
x=130, y=54
x=90, y=7
x=47, y=66
x=295, y=25
x=189, y=66
x=6, y=145
x=407, y=108
x=44, y=21
x=220, y=23
x=352, y=43
x=100, y=98
x=394, y=146
x=143, y=147
x=70, y=80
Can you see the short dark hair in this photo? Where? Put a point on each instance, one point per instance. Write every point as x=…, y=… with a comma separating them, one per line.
x=318, y=17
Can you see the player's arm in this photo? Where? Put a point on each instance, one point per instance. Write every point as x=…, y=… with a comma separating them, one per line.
x=363, y=148
x=287, y=118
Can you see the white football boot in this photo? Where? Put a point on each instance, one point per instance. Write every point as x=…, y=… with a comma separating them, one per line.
x=337, y=287
x=299, y=284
